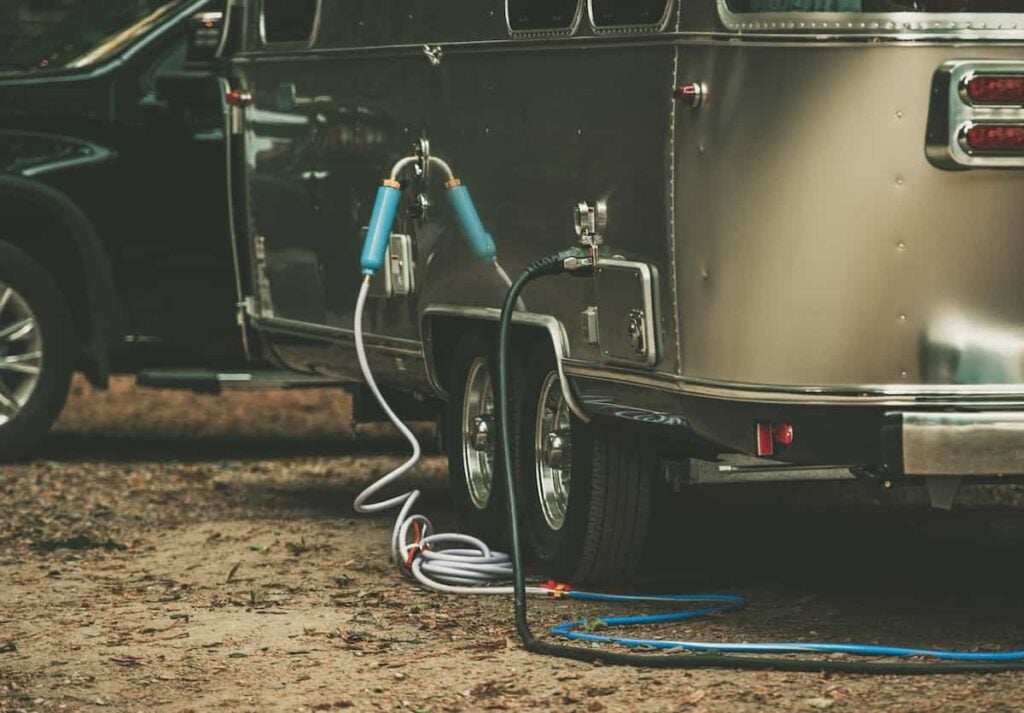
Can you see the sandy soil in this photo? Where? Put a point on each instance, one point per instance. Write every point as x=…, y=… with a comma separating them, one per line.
x=172, y=552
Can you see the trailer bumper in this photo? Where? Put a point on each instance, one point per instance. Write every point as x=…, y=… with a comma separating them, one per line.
x=914, y=430
x=986, y=443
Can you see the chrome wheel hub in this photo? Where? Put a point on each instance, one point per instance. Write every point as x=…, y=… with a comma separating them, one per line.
x=21, y=353
x=553, y=452
x=478, y=433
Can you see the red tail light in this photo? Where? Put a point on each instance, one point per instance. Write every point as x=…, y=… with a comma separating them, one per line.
x=769, y=435
x=995, y=138
x=783, y=433
x=991, y=89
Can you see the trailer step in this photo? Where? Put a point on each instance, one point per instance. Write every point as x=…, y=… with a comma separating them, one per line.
x=208, y=381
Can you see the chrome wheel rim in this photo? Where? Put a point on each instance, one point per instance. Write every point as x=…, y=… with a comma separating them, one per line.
x=21, y=353
x=478, y=437
x=553, y=452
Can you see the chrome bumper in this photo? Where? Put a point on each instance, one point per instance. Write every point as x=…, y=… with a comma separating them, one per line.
x=971, y=444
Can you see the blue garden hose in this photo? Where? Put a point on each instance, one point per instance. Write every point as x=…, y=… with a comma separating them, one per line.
x=729, y=602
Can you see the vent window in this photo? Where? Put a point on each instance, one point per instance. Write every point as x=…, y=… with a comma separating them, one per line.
x=916, y=6
x=619, y=13
x=541, y=15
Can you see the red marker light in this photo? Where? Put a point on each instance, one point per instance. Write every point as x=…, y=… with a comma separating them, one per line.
x=691, y=95
x=990, y=89
x=769, y=435
x=783, y=433
x=995, y=138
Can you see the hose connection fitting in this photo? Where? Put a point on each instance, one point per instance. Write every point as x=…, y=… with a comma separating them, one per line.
x=557, y=590
x=575, y=263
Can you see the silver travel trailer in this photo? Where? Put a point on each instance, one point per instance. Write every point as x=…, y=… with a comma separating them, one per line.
x=807, y=217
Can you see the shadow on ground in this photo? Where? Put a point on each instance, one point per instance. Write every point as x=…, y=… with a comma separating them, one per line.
x=126, y=448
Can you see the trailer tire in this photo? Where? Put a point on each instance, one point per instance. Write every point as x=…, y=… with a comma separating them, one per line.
x=34, y=319
x=605, y=513
x=477, y=481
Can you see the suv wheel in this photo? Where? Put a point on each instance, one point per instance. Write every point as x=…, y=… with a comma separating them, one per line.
x=36, y=352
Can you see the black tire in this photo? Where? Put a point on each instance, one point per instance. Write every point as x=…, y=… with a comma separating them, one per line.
x=29, y=280
x=488, y=522
x=609, y=501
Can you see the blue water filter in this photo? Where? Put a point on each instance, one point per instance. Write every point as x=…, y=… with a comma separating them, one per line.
x=480, y=241
x=382, y=219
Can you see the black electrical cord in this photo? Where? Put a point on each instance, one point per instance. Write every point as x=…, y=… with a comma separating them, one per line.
x=554, y=265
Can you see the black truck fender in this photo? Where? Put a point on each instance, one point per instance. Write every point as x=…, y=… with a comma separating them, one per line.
x=101, y=327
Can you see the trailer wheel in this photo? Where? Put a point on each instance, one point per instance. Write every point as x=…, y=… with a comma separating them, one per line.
x=476, y=479
x=36, y=352
x=588, y=490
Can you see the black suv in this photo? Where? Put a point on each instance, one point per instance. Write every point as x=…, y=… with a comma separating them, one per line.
x=116, y=250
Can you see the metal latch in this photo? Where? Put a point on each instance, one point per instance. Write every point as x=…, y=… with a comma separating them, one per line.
x=399, y=273
x=400, y=265
x=433, y=54
x=589, y=325
x=637, y=330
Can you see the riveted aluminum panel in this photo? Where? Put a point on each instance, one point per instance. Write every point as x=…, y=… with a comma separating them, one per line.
x=816, y=244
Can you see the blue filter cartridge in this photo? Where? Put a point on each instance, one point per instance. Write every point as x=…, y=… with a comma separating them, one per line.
x=379, y=232
x=480, y=241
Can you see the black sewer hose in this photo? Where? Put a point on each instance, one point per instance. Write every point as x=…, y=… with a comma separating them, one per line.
x=555, y=265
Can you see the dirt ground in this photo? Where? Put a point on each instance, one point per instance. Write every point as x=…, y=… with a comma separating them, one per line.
x=172, y=552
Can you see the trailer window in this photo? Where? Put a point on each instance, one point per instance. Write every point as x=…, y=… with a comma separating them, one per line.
x=541, y=15
x=944, y=6
x=620, y=13
x=289, y=20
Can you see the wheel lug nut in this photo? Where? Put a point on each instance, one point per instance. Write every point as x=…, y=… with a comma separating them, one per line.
x=481, y=436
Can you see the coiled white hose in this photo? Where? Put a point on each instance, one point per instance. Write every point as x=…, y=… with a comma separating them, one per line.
x=448, y=562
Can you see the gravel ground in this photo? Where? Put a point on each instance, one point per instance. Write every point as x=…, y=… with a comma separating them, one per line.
x=171, y=552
